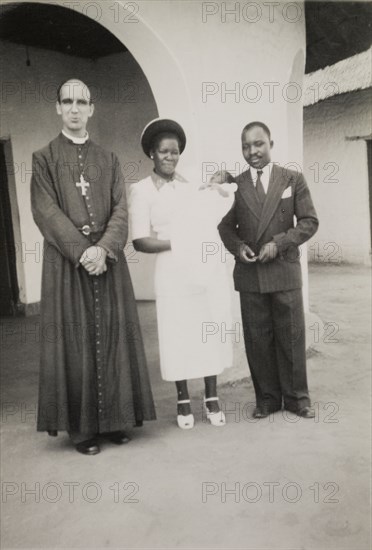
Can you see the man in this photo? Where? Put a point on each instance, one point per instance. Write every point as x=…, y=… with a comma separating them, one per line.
x=93, y=374
x=259, y=230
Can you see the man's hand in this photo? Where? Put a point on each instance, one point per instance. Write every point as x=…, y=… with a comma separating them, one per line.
x=94, y=260
x=246, y=255
x=268, y=252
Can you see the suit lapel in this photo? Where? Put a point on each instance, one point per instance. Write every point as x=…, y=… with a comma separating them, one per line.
x=278, y=182
x=248, y=192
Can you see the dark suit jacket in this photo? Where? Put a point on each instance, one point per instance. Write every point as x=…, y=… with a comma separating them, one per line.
x=247, y=223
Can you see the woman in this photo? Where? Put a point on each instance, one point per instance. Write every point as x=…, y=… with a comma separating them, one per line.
x=182, y=307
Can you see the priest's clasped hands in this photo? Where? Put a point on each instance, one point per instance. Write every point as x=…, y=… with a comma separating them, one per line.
x=93, y=260
x=268, y=252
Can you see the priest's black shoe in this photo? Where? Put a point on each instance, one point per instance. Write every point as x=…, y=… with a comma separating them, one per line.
x=52, y=433
x=306, y=412
x=120, y=438
x=89, y=447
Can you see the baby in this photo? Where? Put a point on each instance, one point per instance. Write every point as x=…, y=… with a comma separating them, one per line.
x=200, y=254
x=195, y=240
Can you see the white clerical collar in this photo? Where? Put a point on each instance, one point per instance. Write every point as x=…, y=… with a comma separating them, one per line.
x=76, y=140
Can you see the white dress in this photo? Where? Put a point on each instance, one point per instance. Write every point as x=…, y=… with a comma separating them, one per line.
x=191, y=342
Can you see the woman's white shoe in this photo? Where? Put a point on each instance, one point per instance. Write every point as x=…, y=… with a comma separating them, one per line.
x=215, y=418
x=185, y=422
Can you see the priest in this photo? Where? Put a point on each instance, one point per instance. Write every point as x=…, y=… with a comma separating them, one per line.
x=93, y=374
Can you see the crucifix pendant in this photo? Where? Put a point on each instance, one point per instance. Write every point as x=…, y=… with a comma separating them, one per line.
x=83, y=185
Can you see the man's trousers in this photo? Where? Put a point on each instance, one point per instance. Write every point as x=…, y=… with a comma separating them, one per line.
x=274, y=335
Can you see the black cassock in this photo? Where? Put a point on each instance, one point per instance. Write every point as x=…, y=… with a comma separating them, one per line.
x=93, y=373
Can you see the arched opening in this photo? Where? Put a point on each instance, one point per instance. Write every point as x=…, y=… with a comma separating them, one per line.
x=117, y=54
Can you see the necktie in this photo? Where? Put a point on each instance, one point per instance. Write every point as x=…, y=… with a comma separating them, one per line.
x=260, y=188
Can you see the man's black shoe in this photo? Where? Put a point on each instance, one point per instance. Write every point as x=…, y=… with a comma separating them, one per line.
x=89, y=447
x=52, y=433
x=260, y=413
x=306, y=412
x=263, y=411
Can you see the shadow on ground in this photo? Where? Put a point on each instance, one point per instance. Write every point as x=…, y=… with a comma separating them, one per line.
x=282, y=482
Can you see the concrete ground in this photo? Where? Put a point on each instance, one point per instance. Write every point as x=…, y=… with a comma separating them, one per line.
x=279, y=483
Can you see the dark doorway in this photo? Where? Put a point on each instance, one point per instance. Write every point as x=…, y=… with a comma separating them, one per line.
x=369, y=154
x=9, y=292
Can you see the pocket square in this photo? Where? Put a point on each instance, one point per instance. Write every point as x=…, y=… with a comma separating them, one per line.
x=287, y=193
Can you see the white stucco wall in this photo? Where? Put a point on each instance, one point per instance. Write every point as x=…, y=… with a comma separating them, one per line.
x=213, y=66
x=236, y=67
x=337, y=172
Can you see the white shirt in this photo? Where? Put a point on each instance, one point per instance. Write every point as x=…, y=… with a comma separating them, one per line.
x=265, y=176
